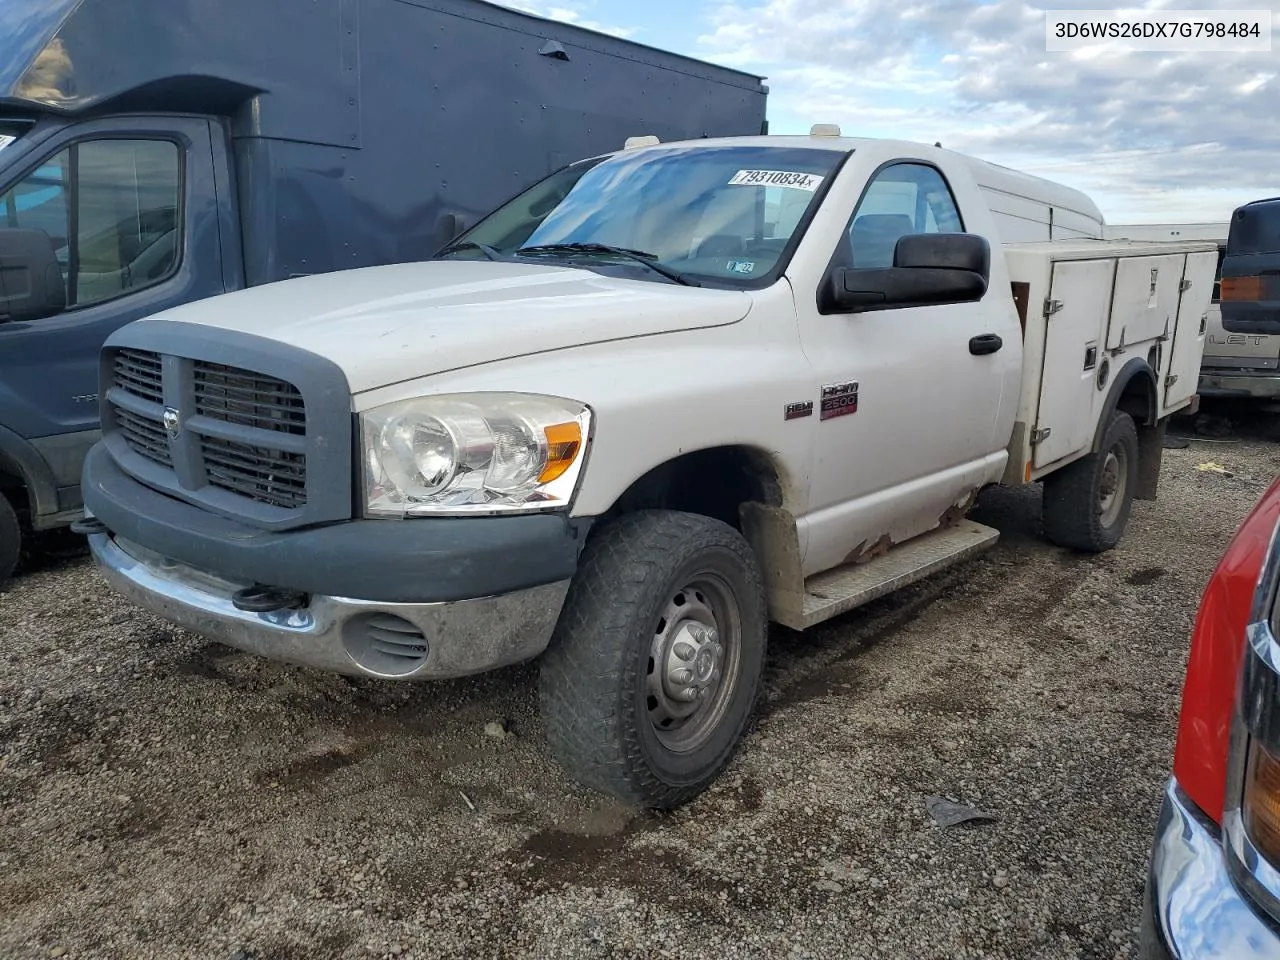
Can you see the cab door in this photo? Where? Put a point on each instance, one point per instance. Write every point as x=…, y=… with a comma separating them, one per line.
x=906, y=398
x=130, y=206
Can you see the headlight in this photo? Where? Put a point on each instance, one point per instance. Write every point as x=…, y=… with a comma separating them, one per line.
x=473, y=453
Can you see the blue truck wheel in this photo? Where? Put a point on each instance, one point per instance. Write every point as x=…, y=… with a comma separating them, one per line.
x=10, y=539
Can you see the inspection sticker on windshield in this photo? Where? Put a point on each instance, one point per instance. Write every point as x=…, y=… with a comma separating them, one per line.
x=776, y=178
x=5, y=141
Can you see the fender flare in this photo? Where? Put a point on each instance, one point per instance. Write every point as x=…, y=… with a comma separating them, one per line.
x=1135, y=368
x=19, y=458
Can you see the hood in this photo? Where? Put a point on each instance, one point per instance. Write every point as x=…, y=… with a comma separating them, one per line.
x=384, y=325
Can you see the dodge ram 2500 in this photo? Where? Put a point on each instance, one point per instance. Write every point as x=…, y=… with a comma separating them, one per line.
x=658, y=400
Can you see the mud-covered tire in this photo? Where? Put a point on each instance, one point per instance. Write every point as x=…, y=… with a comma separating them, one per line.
x=1087, y=503
x=10, y=539
x=646, y=586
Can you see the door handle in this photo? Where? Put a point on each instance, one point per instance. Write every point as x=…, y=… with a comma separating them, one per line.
x=985, y=343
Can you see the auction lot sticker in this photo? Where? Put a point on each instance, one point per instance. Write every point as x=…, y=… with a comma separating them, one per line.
x=776, y=178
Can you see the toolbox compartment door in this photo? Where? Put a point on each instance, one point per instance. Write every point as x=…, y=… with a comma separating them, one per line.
x=1072, y=352
x=1183, y=375
x=1145, y=303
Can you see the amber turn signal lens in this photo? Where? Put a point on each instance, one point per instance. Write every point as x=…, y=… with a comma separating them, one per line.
x=1262, y=802
x=1241, y=288
x=563, y=441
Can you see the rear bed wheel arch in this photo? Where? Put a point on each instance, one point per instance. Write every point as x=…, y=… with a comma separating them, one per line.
x=1122, y=384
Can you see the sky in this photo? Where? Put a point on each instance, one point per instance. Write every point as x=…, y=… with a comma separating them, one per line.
x=1151, y=137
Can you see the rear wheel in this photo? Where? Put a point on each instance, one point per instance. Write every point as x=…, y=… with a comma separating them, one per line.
x=10, y=539
x=655, y=667
x=1087, y=504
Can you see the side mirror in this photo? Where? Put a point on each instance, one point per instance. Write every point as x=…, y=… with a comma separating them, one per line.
x=928, y=269
x=452, y=225
x=31, y=284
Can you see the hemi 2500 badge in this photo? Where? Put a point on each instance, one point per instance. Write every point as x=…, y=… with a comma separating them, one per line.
x=838, y=399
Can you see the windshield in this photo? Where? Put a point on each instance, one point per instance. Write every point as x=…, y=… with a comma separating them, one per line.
x=11, y=130
x=720, y=214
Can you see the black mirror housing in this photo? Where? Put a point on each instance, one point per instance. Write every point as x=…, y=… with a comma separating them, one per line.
x=31, y=284
x=929, y=269
x=945, y=251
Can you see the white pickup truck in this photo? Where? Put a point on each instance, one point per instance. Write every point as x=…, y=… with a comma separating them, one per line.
x=656, y=401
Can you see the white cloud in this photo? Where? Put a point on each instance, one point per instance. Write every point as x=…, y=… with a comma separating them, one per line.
x=1164, y=135
x=568, y=13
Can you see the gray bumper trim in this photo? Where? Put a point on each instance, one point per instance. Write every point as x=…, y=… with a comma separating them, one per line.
x=332, y=633
x=1264, y=386
x=1193, y=910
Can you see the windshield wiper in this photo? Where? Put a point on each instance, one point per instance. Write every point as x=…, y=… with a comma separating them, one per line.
x=639, y=256
x=484, y=248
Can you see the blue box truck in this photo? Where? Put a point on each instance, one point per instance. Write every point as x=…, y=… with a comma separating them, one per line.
x=154, y=152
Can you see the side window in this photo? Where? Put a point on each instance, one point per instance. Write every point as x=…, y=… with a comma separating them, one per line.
x=127, y=216
x=111, y=209
x=39, y=202
x=903, y=199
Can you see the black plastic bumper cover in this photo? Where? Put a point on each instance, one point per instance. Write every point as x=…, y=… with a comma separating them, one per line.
x=419, y=560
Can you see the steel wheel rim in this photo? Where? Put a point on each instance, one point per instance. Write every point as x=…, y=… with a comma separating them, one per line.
x=694, y=662
x=1111, y=488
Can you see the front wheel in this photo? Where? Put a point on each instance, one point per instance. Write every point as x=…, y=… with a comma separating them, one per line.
x=655, y=667
x=10, y=539
x=1087, y=503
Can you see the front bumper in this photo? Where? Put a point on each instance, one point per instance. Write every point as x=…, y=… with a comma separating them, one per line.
x=421, y=560
x=403, y=641
x=1192, y=909
x=1240, y=383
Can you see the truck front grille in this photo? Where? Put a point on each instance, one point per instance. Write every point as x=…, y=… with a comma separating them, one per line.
x=239, y=431
x=249, y=399
x=272, y=476
x=138, y=373
x=144, y=436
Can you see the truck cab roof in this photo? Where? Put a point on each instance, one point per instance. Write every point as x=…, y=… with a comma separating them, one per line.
x=992, y=178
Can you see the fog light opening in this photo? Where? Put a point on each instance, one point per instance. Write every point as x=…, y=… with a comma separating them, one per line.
x=385, y=645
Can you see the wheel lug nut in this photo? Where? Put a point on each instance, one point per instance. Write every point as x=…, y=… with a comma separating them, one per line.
x=685, y=651
x=682, y=675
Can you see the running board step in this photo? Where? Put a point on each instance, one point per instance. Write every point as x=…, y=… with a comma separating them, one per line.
x=838, y=591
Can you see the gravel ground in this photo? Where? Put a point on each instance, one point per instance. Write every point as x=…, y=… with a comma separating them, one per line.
x=165, y=797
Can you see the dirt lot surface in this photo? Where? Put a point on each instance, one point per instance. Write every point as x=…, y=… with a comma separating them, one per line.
x=165, y=797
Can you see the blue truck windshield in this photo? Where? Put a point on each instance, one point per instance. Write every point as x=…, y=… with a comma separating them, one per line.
x=724, y=214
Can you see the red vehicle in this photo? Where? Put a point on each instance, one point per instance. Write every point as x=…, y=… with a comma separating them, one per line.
x=1214, y=885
